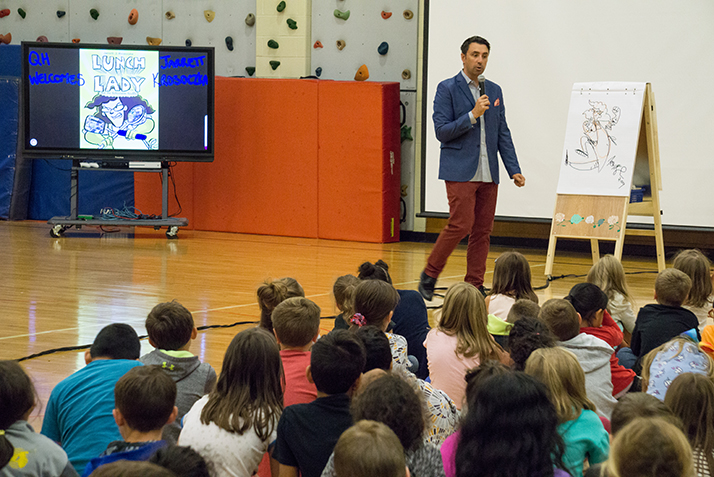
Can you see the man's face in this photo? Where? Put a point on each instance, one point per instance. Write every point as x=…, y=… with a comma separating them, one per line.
x=114, y=110
x=475, y=60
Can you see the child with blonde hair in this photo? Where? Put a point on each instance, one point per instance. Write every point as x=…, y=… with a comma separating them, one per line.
x=367, y=449
x=649, y=447
x=609, y=276
x=344, y=292
x=271, y=293
x=579, y=426
x=460, y=341
x=696, y=265
x=691, y=398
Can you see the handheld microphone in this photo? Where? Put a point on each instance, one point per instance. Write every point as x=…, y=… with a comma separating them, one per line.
x=482, y=84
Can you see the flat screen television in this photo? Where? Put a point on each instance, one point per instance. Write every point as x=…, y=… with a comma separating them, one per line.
x=118, y=103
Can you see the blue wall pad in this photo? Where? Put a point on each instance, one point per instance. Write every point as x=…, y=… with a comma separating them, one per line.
x=49, y=195
x=10, y=64
x=9, y=104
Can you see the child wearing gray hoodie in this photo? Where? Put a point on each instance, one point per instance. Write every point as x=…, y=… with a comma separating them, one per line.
x=171, y=329
x=593, y=353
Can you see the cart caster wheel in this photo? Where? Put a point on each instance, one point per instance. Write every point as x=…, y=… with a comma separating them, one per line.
x=57, y=231
x=172, y=232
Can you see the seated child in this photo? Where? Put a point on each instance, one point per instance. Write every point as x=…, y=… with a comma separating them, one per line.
x=592, y=353
x=79, y=412
x=511, y=282
x=581, y=429
x=650, y=447
x=609, y=275
x=442, y=415
x=344, y=292
x=697, y=267
x=144, y=403
x=657, y=324
x=182, y=461
x=500, y=328
x=131, y=468
x=368, y=449
x=296, y=323
x=307, y=433
x=526, y=336
x=171, y=330
x=271, y=293
x=677, y=356
x=591, y=304
x=23, y=452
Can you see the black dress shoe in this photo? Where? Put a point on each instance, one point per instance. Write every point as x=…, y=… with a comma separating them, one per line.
x=426, y=286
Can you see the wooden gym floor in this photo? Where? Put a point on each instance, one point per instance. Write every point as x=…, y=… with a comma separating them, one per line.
x=60, y=292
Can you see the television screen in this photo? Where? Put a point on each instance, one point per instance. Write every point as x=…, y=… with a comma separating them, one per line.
x=117, y=102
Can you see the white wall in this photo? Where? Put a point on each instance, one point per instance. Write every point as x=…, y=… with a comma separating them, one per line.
x=539, y=49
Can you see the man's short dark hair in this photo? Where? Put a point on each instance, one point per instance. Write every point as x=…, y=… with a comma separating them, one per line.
x=296, y=321
x=169, y=325
x=562, y=319
x=474, y=39
x=116, y=341
x=336, y=361
x=376, y=344
x=145, y=396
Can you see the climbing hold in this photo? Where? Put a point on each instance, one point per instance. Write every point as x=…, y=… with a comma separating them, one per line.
x=406, y=133
x=115, y=40
x=250, y=70
x=362, y=73
x=170, y=15
x=292, y=24
x=61, y=13
x=133, y=16
x=341, y=44
x=210, y=15
x=318, y=44
x=274, y=64
x=318, y=71
x=250, y=19
x=408, y=14
x=229, y=43
x=153, y=41
x=406, y=74
x=386, y=15
x=343, y=15
x=188, y=42
x=4, y=12
x=273, y=44
x=281, y=6
x=75, y=40
x=42, y=39
x=383, y=48
x=22, y=12
x=6, y=38
x=94, y=13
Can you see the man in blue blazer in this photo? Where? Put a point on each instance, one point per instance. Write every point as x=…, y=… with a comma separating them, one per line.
x=471, y=126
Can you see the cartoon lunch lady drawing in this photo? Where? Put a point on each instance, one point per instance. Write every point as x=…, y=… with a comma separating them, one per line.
x=120, y=122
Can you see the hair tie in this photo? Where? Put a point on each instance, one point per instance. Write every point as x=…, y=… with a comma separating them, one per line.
x=358, y=319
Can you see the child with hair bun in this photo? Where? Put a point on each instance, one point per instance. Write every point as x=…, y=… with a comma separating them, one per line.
x=344, y=293
x=374, y=305
x=697, y=267
x=609, y=276
x=271, y=293
x=23, y=452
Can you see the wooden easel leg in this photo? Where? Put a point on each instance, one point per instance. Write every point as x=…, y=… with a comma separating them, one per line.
x=659, y=241
x=619, y=245
x=595, y=249
x=550, y=258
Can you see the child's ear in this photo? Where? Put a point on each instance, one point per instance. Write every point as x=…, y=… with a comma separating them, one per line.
x=87, y=357
x=580, y=319
x=314, y=338
x=172, y=417
x=408, y=474
x=194, y=334
x=276, y=336
x=118, y=417
x=308, y=374
x=153, y=345
x=655, y=295
x=355, y=386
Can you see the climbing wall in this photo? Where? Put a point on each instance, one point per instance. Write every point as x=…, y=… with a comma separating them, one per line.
x=283, y=38
x=188, y=22
x=370, y=25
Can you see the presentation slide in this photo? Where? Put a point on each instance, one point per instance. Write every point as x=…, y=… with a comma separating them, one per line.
x=118, y=99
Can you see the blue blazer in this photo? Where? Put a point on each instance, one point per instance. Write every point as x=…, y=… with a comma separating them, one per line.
x=461, y=140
